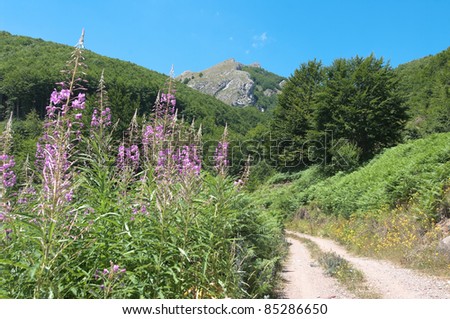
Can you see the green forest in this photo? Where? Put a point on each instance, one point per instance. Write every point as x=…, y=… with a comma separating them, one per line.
x=120, y=182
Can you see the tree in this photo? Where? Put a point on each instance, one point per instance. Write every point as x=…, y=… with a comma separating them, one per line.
x=360, y=102
x=354, y=104
x=293, y=116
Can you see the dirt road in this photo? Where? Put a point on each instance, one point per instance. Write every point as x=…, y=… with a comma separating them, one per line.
x=304, y=278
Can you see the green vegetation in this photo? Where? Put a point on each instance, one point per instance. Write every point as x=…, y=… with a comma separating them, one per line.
x=356, y=151
x=392, y=207
x=29, y=69
x=267, y=85
x=425, y=83
x=135, y=217
x=417, y=170
x=352, y=107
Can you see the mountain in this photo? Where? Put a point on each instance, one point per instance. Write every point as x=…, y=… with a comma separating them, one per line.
x=236, y=84
x=225, y=81
x=29, y=69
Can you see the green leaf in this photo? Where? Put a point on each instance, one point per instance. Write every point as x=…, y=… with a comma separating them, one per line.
x=12, y=263
x=184, y=253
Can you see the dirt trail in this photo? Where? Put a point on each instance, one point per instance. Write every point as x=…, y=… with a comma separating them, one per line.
x=304, y=278
x=385, y=278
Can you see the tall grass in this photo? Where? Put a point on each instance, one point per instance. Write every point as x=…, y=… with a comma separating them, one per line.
x=135, y=218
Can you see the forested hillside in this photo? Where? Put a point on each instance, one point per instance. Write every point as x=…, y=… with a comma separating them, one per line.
x=267, y=87
x=425, y=84
x=29, y=69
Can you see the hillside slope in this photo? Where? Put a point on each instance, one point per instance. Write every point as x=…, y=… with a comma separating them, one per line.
x=425, y=84
x=396, y=207
x=29, y=69
x=417, y=171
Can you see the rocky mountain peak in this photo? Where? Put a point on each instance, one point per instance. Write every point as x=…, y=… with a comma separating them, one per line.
x=225, y=80
x=237, y=84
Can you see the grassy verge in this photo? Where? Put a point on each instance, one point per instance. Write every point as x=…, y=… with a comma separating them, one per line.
x=337, y=267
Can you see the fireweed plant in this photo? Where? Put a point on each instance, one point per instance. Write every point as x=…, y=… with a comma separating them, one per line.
x=135, y=218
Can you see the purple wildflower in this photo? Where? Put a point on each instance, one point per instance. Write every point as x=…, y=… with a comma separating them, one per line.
x=64, y=94
x=53, y=160
x=165, y=106
x=81, y=97
x=69, y=195
x=179, y=164
x=163, y=161
x=133, y=154
x=106, y=116
x=94, y=120
x=147, y=134
x=152, y=136
x=168, y=99
x=79, y=102
x=9, y=179
x=188, y=161
x=6, y=174
x=220, y=156
x=76, y=104
x=51, y=110
x=55, y=97
x=121, y=157
x=78, y=116
x=128, y=156
x=103, y=120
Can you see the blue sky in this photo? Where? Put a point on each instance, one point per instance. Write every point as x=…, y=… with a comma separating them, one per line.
x=280, y=35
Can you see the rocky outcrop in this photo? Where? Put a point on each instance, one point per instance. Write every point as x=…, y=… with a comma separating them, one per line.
x=444, y=245
x=270, y=92
x=226, y=81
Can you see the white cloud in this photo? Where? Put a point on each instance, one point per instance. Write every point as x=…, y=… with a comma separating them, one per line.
x=263, y=37
x=259, y=40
